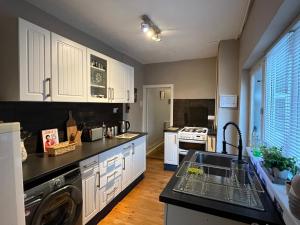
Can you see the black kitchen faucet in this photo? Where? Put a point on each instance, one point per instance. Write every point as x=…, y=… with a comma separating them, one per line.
x=239, y=147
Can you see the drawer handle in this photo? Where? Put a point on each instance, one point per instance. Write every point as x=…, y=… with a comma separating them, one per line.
x=133, y=148
x=110, y=193
x=111, y=160
x=113, y=174
x=90, y=164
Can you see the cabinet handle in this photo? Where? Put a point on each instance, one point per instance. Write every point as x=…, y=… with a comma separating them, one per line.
x=108, y=94
x=90, y=164
x=133, y=150
x=128, y=96
x=113, y=94
x=98, y=175
x=123, y=163
x=112, y=192
x=48, y=80
x=175, y=139
x=111, y=160
x=113, y=174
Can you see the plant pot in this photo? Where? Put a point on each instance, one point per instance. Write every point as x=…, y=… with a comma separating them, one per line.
x=281, y=174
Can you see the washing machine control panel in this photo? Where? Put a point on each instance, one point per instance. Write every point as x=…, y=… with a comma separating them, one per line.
x=57, y=182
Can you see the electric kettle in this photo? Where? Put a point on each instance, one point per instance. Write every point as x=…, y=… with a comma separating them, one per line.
x=124, y=126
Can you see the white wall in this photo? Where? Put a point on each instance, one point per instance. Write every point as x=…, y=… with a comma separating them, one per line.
x=158, y=112
x=228, y=84
x=192, y=79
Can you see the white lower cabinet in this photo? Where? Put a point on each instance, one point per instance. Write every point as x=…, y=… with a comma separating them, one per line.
x=90, y=188
x=104, y=176
x=171, y=148
x=134, y=161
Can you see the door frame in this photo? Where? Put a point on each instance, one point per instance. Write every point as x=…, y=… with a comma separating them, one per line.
x=145, y=87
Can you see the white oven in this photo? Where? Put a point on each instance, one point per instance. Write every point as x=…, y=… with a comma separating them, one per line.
x=191, y=139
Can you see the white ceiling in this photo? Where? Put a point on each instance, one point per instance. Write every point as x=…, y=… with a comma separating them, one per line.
x=190, y=28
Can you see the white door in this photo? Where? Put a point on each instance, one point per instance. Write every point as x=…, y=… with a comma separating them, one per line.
x=126, y=166
x=138, y=157
x=129, y=83
x=34, y=62
x=91, y=193
x=171, y=148
x=69, y=80
x=117, y=82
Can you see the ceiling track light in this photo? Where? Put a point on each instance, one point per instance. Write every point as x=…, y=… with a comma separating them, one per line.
x=150, y=28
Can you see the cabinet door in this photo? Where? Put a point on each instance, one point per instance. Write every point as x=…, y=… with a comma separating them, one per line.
x=171, y=148
x=117, y=82
x=90, y=192
x=97, y=74
x=68, y=70
x=126, y=166
x=138, y=157
x=129, y=83
x=34, y=62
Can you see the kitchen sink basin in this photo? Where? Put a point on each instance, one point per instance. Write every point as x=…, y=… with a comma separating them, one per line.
x=219, y=177
x=127, y=135
x=213, y=159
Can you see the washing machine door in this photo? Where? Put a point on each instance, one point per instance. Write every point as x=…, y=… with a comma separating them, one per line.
x=62, y=207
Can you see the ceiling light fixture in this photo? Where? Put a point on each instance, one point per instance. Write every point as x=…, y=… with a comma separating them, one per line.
x=150, y=29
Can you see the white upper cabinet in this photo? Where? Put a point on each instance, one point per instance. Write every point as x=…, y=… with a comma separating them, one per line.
x=117, y=82
x=121, y=82
x=69, y=78
x=97, y=73
x=34, y=62
x=130, y=83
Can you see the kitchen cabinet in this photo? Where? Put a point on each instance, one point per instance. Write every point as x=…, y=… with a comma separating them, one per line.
x=97, y=72
x=34, y=62
x=121, y=82
x=90, y=188
x=171, y=148
x=69, y=80
x=127, y=165
x=138, y=157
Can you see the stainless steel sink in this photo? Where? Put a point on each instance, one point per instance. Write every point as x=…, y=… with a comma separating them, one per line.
x=127, y=135
x=218, y=177
x=213, y=159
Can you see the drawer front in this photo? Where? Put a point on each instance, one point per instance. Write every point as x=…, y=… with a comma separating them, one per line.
x=111, y=176
x=109, y=164
x=109, y=192
x=89, y=163
x=109, y=154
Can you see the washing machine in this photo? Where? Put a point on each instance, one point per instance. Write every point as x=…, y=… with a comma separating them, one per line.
x=55, y=202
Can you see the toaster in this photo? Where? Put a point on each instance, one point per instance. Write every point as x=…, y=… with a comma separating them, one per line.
x=92, y=134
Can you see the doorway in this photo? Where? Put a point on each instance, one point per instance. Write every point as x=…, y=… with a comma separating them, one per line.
x=157, y=115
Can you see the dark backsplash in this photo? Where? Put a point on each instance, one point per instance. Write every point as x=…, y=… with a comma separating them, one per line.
x=193, y=112
x=37, y=116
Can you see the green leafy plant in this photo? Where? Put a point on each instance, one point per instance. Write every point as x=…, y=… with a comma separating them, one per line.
x=273, y=158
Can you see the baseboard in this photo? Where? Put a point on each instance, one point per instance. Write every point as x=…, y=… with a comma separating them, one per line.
x=154, y=147
x=170, y=167
x=96, y=219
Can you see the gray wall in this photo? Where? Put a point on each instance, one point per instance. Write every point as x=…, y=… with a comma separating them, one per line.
x=228, y=84
x=11, y=9
x=192, y=79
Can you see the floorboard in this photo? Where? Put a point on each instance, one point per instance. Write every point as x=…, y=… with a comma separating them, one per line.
x=141, y=205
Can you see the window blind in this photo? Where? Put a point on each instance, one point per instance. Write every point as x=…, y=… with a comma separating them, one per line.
x=282, y=95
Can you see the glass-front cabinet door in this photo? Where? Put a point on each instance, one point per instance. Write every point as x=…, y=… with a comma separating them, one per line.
x=98, y=79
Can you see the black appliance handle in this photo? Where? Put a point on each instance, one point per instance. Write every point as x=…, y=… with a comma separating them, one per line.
x=127, y=125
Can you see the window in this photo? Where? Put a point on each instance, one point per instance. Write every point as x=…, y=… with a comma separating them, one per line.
x=282, y=95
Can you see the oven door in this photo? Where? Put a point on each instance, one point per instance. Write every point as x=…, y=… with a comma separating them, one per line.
x=184, y=146
x=62, y=207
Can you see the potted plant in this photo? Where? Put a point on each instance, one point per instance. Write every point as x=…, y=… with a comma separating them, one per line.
x=279, y=165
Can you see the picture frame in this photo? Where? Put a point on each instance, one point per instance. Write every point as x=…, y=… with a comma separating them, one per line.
x=49, y=138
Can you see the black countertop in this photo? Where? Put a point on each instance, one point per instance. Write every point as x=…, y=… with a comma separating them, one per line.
x=234, y=212
x=40, y=165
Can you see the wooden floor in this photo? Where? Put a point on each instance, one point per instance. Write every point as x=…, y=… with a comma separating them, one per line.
x=141, y=206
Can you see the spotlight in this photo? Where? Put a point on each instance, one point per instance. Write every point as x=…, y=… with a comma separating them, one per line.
x=145, y=27
x=156, y=37
x=150, y=29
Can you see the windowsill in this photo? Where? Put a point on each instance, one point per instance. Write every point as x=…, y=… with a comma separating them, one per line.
x=276, y=191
